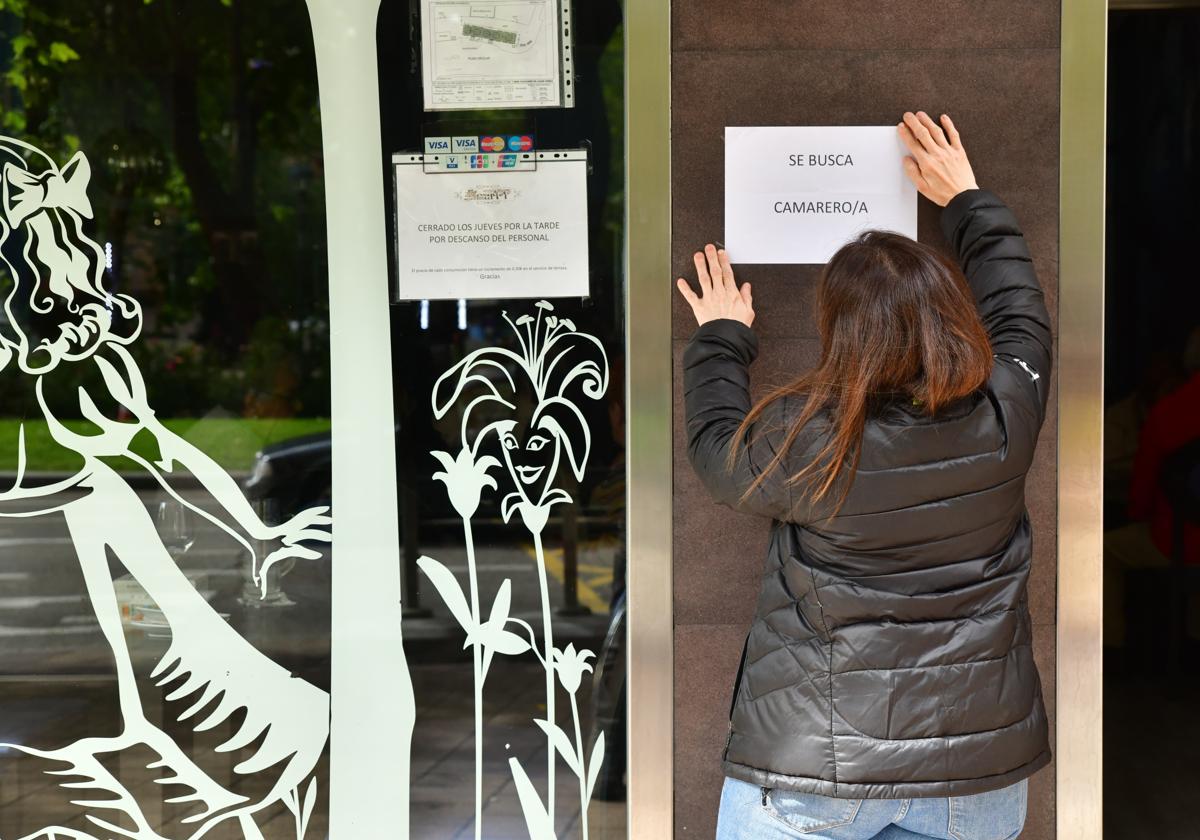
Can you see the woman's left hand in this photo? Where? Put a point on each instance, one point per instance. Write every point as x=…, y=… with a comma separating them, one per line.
x=719, y=295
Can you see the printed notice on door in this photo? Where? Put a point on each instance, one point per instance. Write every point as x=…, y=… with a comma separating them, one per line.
x=492, y=232
x=796, y=194
x=492, y=54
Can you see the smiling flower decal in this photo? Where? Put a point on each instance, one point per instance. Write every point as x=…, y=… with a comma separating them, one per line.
x=556, y=364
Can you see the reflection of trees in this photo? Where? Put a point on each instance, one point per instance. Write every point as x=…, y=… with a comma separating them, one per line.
x=204, y=120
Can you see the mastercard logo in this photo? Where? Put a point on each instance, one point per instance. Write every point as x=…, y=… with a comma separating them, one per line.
x=491, y=144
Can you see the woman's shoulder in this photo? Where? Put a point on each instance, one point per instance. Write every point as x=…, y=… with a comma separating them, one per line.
x=779, y=423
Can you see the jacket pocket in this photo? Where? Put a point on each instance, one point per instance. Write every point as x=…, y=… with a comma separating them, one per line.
x=808, y=812
x=995, y=815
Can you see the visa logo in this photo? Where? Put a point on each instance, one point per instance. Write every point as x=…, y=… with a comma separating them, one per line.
x=466, y=145
x=436, y=145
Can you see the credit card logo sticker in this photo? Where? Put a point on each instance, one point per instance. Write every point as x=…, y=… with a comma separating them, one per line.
x=520, y=143
x=491, y=144
x=508, y=161
x=465, y=145
x=436, y=145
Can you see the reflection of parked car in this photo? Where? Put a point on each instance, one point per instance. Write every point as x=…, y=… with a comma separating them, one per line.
x=609, y=708
x=296, y=473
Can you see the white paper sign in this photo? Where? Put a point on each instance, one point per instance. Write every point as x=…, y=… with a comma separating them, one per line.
x=500, y=233
x=492, y=54
x=796, y=194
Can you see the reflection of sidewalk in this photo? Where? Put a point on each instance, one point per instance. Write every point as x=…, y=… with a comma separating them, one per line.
x=435, y=636
x=595, y=579
x=49, y=715
x=443, y=769
x=437, y=639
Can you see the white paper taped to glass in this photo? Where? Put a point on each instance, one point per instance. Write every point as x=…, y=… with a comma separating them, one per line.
x=494, y=228
x=496, y=54
x=795, y=194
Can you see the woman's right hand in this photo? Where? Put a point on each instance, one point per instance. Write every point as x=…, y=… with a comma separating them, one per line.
x=719, y=295
x=938, y=167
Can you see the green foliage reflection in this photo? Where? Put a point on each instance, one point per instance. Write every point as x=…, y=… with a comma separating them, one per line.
x=202, y=124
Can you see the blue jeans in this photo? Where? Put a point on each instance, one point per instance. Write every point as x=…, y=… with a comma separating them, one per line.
x=749, y=812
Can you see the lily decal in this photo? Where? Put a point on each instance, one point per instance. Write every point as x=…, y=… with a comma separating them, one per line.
x=571, y=666
x=465, y=478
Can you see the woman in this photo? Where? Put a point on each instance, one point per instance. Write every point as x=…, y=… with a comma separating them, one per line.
x=887, y=687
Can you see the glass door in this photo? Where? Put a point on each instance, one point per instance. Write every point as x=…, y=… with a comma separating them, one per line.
x=511, y=423
x=201, y=291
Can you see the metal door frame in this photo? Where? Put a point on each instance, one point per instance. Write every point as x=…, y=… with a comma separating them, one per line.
x=1081, y=416
x=648, y=380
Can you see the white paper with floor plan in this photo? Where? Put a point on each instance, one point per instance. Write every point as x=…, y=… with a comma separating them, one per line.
x=492, y=54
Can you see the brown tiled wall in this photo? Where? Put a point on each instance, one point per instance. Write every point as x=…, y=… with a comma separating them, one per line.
x=994, y=68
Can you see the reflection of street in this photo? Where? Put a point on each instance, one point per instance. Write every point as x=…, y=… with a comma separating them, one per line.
x=43, y=600
x=495, y=563
x=595, y=573
x=57, y=682
x=443, y=742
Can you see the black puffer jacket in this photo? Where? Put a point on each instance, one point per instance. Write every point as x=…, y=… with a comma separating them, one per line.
x=891, y=654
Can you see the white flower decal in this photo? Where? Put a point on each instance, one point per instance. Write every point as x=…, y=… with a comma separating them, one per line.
x=571, y=666
x=528, y=403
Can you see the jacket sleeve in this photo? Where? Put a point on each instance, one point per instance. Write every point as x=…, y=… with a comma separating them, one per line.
x=716, y=381
x=999, y=269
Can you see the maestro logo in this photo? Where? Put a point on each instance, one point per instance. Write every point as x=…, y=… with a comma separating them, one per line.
x=520, y=143
x=491, y=144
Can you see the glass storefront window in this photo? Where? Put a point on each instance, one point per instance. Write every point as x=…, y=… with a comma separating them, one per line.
x=164, y=569
x=564, y=582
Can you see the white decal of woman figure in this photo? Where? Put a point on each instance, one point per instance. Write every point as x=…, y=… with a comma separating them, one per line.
x=59, y=318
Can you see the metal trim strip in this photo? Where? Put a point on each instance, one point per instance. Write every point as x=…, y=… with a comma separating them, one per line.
x=1081, y=417
x=648, y=380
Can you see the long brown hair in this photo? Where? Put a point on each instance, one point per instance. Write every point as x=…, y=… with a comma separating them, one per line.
x=897, y=321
